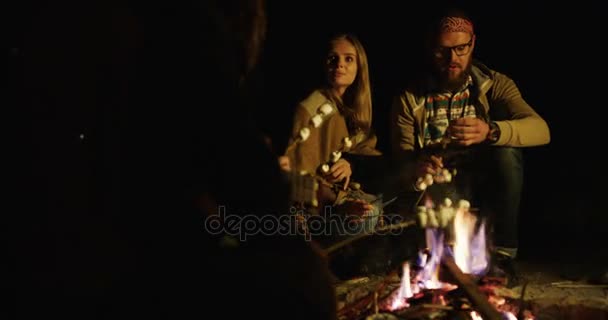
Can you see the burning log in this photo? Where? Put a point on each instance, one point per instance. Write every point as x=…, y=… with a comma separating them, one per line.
x=436, y=306
x=582, y=286
x=466, y=283
x=362, y=305
x=452, y=290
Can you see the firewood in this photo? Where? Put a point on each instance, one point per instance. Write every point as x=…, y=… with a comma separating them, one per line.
x=357, y=308
x=581, y=286
x=465, y=282
x=422, y=312
x=376, y=308
x=436, y=306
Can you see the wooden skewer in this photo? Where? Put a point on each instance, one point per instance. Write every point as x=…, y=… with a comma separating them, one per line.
x=290, y=147
x=363, y=235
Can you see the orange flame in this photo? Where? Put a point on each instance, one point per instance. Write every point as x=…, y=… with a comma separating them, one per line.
x=469, y=246
x=469, y=252
x=405, y=291
x=475, y=316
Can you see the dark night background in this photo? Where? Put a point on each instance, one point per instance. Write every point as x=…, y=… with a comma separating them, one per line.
x=554, y=52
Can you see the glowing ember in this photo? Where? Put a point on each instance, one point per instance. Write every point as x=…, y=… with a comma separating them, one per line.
x=505, y=315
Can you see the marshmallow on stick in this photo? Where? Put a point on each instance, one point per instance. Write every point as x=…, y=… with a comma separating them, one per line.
x=422, y=216
x=325, y=168
x=325, y=109
x=335, y=156
x=304, y=134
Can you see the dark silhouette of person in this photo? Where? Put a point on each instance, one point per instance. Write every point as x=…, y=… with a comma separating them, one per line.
x=134, y=132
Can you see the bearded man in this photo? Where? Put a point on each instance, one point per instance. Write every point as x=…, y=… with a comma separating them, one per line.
x=461, y=104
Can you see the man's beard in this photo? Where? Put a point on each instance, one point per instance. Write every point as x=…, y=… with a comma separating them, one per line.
x=453, y=84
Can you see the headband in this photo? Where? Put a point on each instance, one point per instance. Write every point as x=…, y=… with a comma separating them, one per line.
x=455, y=24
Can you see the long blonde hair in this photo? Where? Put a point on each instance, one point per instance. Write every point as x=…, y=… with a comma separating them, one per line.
x=356, y=103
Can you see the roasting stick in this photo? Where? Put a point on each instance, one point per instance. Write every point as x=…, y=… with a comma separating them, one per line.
x=390, y=227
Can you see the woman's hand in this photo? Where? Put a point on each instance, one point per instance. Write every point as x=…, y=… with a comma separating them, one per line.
x=284, y=163
x=339, y=171
x=357, y=208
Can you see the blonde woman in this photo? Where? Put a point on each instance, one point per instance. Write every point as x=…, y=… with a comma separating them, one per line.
x=334, y=121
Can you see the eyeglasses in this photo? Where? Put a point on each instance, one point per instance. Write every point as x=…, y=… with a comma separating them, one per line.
x=460, y=50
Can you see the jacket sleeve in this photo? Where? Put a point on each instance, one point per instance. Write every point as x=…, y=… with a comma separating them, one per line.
x=367, y=147
x=402, y=126
x=305, y=155
x=522, y=126
x=403, y=140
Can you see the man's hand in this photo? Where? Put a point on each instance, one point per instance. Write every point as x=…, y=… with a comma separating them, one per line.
x=468, y=131
x=429, y=165
x=339, y=171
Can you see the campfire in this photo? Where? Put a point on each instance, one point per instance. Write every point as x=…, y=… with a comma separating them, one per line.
x=448, y=278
